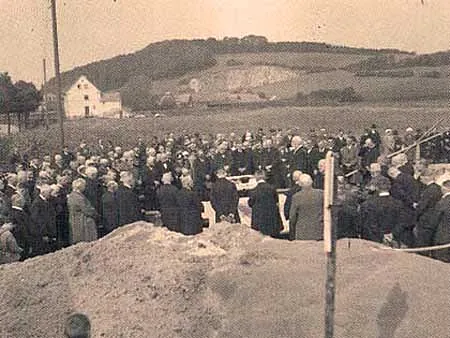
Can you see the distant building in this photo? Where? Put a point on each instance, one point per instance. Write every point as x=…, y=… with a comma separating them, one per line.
x=184, y=100
x=84, y=99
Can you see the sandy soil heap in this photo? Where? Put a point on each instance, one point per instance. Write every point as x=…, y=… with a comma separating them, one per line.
x=143, y=281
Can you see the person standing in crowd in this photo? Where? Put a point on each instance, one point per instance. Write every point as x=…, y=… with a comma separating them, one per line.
x=93, y=191
x=82, y=214
x=295, y=188
x=190, y=208
x=167, y=198
x=381, y=215
x=225, y=199
x=306, y=212
x=149, y=184
x=441, y=222
x=10, y=251
x=43, y=222
x=110, y=207
x=21, y=221
x=264, y=203
x=202, y=171
x=129, y=211
x=59, y=201
x=298, y=160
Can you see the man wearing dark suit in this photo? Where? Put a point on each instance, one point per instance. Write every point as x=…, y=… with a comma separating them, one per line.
x=110, y=208
x=128, y=200
x=264, y=203
x=442, y=223
x=167, y=198
x=149, y=183
x=426, y=212
x=43, y=223
x=306, y=213
x=298, y=160
x=190, y=208
x=270, y=162
x=224, y=198
x=382, y=214
x=93, y=191
x=22, y=225
x=241, y=161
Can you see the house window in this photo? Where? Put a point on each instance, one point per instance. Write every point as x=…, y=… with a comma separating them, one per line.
x=79, y=86
x=86, y=86
x=86, y=97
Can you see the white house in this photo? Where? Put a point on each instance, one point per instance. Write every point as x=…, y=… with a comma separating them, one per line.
x=84, y=99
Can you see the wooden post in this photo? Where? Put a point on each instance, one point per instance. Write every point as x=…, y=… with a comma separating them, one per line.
x=329, y=236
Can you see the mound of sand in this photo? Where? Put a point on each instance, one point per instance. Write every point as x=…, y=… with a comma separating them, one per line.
x=144, y=281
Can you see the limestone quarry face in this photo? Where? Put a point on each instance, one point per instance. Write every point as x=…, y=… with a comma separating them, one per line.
x=229, y=281
x=257, y=76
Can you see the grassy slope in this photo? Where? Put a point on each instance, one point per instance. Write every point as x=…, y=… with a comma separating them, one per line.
x=125, y=132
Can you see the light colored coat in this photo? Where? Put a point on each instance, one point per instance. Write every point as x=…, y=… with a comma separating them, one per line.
x=9, y=250
x=81, y=218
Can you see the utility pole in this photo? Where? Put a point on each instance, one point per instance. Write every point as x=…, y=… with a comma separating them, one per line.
x=44, y=92
x=59, y=108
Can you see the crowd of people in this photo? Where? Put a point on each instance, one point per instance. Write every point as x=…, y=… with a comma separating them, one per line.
x=82, y=194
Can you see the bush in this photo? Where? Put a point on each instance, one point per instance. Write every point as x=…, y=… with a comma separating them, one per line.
x=321, y=96
x=233, y=62
x=431, y=74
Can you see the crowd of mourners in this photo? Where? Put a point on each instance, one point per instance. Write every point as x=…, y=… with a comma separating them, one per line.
x=79, y=195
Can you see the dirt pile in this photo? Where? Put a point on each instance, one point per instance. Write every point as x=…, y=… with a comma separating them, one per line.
x=143, y=281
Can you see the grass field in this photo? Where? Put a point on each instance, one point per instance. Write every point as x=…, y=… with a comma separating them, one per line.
x=126, y=132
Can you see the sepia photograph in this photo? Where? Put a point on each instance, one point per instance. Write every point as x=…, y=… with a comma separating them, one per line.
x=224, y=169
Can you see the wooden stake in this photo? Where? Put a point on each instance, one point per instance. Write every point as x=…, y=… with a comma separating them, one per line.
x=329, y=236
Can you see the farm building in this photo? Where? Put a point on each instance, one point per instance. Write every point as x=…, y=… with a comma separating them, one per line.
x=84, y=99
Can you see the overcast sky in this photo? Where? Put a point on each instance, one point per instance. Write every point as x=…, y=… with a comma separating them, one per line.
x=97, y=29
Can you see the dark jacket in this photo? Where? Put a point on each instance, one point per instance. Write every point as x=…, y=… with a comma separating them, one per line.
x=167, y=198
x=128, y=206
x=225, y=199
x=93, y=193
x=21, y=230
x=306, y=215
x=43, y=224
x=190, y=210
x=288, y=202
x=442, y=224
x=298, y=161
x=426, y=213
x=110, y=211
x=265, y=213
x=381, y=215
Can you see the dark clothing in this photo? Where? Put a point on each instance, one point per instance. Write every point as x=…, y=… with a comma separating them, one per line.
x=128, y=205
x=62, y=218
x=149, y=188
x=190, y=210
x=270, y=161
x=425, y=215
x=93, y=193
x=167, y=197
x=287, y=203
x=442, y=225
x=265, y=213
x=21, y=230
x=43, y=224
x=241, y=163
x=225, y=199
x=110, y=211
x=368, y=156
x=200, y=169
x=319, y=181
x=381, y=215
x=306, y=215
x=298, y=161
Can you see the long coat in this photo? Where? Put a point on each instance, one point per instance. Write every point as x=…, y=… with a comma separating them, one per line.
x=306, y=215
x=81, y=218
x=190, y=210
x=225, y=199
x=167, y=197
x=442, y=222
x=128, y=205
x=43, y=224
x=426, y=213
x=110, y=211
x=265, y=213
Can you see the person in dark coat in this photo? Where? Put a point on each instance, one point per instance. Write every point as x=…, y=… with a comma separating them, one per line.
x=21, y=220
x=190, y=208
x=110, y=208
x=128, y=200
x=263, y=200
x=292, y=191
x=93, y=191
x=306, y=213
x=270, y=162
x=167, y=198
x=201, y=172
x=298, y=159
x=426, y=212
x=381, y=215
x=149, y=184
x=43, y=223
x=225, y=198
x=59, y=200
x=441, y=222
x=241, y=161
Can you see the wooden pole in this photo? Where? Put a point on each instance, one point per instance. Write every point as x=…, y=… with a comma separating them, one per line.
x=329, y=236
x=59, y=109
